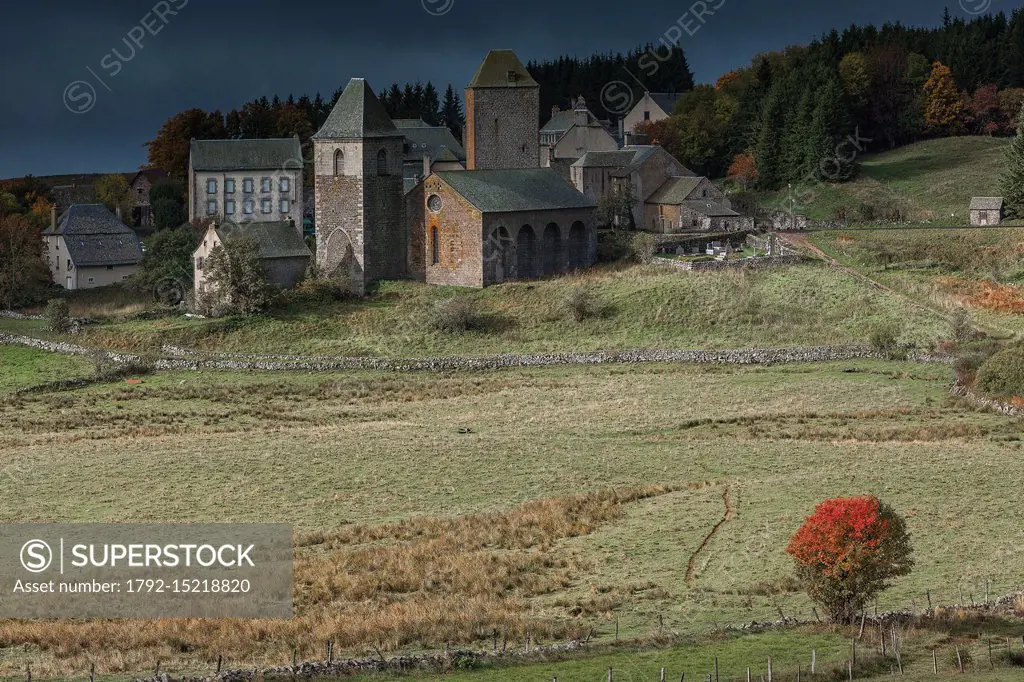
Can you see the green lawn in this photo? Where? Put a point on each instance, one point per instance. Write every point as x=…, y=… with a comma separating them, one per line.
x=23, y=367
x=643, y=307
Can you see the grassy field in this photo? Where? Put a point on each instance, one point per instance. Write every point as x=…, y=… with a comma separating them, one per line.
x=980, y=270
x=24, y=367
x=641, y=307
x=931, y=181
x=499, y=484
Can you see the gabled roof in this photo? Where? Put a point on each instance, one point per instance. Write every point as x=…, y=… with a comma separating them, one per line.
x=710, y=209
x=411, y=123
x=628, y=159
x=357, y=114
x=666, y=100
x=240, y=155
x=510, y=191
x=502, y=69
x=154, y=175
x=96, y=237
x=616, y=159
x=432, y=141
x=564, y=120
x=675, y=190
x=987, y=204
x=275, y=239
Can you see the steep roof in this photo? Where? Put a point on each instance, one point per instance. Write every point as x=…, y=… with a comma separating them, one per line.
x=675, y=190
x=509, y=191
x=357, y=114
x=433, y=141
x=502, y=69
x=564, y=120
x=154, y=175
x=987, y=204
x=711, y=209
x=411, y=123
x=616, y=159
x=275, y=239
x=96, y=237
x=238, y=155
x=666, y=100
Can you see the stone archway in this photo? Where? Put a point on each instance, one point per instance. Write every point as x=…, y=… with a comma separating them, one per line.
x=578, y=251
x=526, y=253
x=553, y=259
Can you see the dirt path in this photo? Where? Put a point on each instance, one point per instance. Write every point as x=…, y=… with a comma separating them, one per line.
x=730, y=514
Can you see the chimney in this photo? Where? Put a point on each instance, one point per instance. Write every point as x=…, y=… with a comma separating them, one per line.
x=426, y=165
x=117, y=211
x=555, y=111
x=53, y=217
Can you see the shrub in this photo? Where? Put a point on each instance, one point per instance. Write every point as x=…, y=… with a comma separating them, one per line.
x=962, y=325
x=848, y=551
x=455, y=316
x=884, y=339
x=236, y=281
x=58, y=316
x=580, y=303
x=612, y=246
x=642, y=247
x=1003, y=373
x=866, y=212
x=315, y=290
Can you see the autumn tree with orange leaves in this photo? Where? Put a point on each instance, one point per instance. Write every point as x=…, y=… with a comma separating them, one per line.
x=944, y=105
x=743, y=169
x=848, y=551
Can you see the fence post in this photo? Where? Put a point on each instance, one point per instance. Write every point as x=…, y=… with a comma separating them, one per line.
x=28, y=672
x=769, y=669
x=220, y=659
x=616, y=629
x=716, y=668
x=814, y=661
x=609, y=675
x=928, y=594
x=935, y=662
x=991, y=661
x=849, y=669
x=959, y=660
x=92, y=672
x=853, y=658
x=748, y=674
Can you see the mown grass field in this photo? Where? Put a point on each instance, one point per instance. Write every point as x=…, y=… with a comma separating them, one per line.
x=641, y=307
x=980, y=270
x=24, y=367
x=931, y=181
x=346, y=457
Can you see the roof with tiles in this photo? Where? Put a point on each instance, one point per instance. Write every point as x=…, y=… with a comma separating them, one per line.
x=502, y=69
x=357, y=114
x=275, y=239
x=987, y=203
x=510, y=191
x=96, y=237
x=238, y=155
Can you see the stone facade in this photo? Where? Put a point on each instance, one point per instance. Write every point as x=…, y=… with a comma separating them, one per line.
x=502, y=128
x=229, y=199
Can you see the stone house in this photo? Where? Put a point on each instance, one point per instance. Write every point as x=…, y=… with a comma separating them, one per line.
x=688, y=204
x=286, y=258
x=138, y=195
x=245, y=180
x=652, y=107
x=427, y=149
x=987, y=211
x=487, y=227
x=645, y=168
x=502, y=106
x=89, y=247
x=571, y=134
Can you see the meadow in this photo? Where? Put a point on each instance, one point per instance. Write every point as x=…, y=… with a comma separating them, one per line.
x=637, y=307
x=549, y=503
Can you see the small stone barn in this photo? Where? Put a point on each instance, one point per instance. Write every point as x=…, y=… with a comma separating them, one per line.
x=477, y=228
x=987, y=211
x=285, y=256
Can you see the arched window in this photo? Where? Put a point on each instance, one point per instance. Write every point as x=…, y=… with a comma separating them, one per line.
x=339, y=162
x=435, y=248
x=382, y=162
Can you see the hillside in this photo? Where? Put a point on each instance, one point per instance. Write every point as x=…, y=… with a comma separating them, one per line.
x=931, y=181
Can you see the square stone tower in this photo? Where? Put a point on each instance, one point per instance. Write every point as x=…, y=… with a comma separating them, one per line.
x=502, y=115
x=360, y=211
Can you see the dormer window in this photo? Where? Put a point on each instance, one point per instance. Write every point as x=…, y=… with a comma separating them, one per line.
x=513, y=77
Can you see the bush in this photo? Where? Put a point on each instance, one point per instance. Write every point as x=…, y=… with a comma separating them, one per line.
x=962, y=325
x=642, y=247
x=455, y=316
x=58, y=316
x=1003, y=373
x=315, y=290
x=580, y=303
x=866, y=212
x=884, y=339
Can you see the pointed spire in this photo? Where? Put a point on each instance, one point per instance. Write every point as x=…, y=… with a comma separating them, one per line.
x=502, y=69
x=357, y=114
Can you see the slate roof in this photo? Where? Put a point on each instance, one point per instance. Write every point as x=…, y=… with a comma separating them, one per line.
x=522, y=189
x=495, y=71
x=95, y=237
x=616, y=159
x=411, y=123
x=987, y=204
x=711, y=209
x=275, y=239
x=666, y=100
x=154, y=175
x=239, y=155
x=433, y=141
x=675, y=190
x=357, y=114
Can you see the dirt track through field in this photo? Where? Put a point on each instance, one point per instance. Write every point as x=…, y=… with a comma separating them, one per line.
x=730, y=514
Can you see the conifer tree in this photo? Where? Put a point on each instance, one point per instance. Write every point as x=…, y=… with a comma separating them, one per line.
x=1013, y=177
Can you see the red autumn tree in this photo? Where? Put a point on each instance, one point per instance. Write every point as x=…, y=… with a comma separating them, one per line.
x=848, y=551
x=743, y=169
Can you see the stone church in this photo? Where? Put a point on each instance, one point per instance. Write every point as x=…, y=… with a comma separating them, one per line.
x=503, y=218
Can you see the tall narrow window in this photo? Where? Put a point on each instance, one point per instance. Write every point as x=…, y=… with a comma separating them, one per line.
x=339, y=163
x=435, y=249
x=382, y=162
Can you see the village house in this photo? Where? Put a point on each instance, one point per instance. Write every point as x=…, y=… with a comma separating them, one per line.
x=245, y=180
x=284, y=253
x=692, y=204
x=652, y=107
x=987, y=211
x=88, y=247
x=571, y=134
x=138, y=196
x=643, y=168
x=427, y=149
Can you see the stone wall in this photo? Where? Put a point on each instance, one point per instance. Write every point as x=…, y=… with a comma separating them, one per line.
x=502, y=128
x=744, y=264
x=458, y=227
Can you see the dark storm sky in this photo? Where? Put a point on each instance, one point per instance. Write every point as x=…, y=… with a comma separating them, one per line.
x=221, y=53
